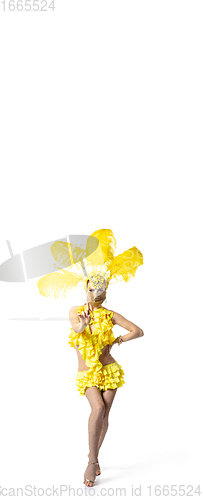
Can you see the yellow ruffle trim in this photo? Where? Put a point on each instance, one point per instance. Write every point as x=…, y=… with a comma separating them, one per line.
x=110, y=377
x=91, y=344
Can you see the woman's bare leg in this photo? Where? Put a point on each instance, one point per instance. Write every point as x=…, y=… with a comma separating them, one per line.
x=95, y=425
x=108, y=397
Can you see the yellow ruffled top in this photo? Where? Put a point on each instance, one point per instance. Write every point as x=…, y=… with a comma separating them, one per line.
x=91, y=344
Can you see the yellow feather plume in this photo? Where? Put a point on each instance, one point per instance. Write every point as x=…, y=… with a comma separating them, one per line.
x=56, y=285
x=125, y=265
x=97, y=257
x=106, y=249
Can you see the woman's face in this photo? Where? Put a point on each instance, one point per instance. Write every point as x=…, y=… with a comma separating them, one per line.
x=95, y=295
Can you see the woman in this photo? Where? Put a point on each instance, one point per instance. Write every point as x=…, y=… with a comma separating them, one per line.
x=99, y=375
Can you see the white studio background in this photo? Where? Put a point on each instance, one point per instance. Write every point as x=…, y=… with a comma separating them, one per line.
x=101, y=127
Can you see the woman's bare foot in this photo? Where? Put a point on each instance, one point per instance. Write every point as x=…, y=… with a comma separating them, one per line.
x=90, y=474
x=98, y=471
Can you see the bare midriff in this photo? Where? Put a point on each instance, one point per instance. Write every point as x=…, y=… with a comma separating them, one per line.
x=105, y=358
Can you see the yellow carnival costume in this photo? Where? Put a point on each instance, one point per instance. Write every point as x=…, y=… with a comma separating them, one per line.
x=90, y=345
x=98, y=264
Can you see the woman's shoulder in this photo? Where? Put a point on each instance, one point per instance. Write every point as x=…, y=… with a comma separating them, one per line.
x=74, y=308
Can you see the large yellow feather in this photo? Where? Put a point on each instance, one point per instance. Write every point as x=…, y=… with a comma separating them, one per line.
x=57, y=284
x=105, y=251
x=124, y=266
x=67, y=254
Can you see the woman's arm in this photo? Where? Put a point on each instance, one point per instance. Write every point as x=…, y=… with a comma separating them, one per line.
x=79, y=321
x=135, y=331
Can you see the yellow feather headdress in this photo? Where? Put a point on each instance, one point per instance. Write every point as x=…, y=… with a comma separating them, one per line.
x=96, y=263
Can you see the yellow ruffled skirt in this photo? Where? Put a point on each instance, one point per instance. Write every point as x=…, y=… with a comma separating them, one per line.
x=110, y=377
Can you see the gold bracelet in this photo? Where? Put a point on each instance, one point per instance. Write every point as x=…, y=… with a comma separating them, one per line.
x=120, y=340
